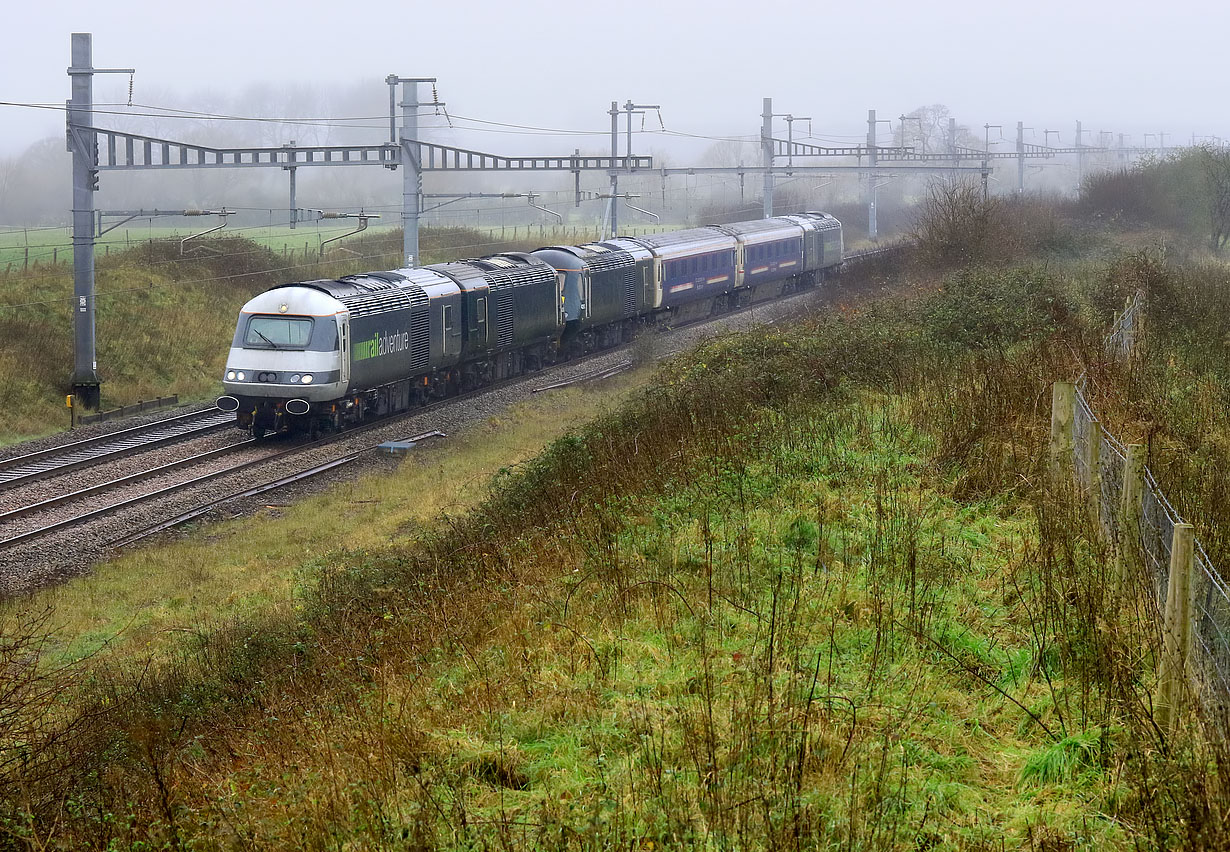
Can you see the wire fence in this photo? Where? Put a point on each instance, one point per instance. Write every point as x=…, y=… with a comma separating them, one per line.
x=1124, y=331
x=1138, y=515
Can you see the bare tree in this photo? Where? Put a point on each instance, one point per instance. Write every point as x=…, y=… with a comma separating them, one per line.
x=926, y=129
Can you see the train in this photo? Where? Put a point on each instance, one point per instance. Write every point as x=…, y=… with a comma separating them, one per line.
x=319, y=356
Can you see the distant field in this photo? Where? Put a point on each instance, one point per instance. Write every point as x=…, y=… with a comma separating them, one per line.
x=27, y=248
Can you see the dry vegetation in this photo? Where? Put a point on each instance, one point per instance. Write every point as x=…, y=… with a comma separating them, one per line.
x=809, y=591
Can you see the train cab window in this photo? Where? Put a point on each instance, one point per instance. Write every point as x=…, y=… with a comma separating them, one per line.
x=480, y=309
x=278, y=332
x=448, y=319
x=326, y=338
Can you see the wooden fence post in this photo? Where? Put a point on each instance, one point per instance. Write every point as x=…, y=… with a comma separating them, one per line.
x=1130, y=506
x=1093, y=462
x=1176, y=628
x=1063, y=407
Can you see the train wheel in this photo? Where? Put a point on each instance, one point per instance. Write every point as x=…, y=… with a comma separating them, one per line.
x=258, y=433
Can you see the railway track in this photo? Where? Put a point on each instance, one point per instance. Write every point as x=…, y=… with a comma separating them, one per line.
x=21, y=470
x=274, y=454
x=61, y=523
x=138, y=439
x=90, y=514
x=271, y=485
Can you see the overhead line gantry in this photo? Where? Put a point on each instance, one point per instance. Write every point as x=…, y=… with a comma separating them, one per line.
x=125, y=151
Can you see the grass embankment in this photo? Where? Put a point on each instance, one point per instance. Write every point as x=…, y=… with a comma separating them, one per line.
x=141, y=602
x=806, y=592
x=164, y=321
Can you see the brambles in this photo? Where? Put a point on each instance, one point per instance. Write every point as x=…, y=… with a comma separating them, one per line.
x=807, y=590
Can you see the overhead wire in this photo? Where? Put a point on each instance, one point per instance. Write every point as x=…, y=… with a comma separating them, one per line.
x=379, y=121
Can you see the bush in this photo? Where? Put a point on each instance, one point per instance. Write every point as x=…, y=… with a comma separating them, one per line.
x=983, y=309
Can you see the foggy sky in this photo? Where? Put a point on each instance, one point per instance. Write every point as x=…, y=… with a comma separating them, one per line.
x=1131, y=67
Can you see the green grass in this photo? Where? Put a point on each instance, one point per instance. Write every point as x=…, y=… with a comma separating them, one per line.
x=51, y=246
x=807, y=589
x=143, y=600
x=714, y=669
x=45, y=247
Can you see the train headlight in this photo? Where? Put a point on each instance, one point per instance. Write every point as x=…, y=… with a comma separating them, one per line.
x=307, y=378
x=230, y=375
x=294, y=379
x=240, y=376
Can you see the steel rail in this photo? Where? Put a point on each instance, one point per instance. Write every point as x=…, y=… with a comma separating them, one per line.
x=119, y=483
x=68, y=522
x=193, y=514
x=596, y=375
x=41, y=464
x=141, y=498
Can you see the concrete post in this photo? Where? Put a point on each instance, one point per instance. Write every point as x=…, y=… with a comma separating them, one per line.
x=1020, y=157
x=952, y=148
x=294, y=202
x=766, y=148
x=614, y=208
x=412, y=175
x=872, y=225
x=1080, y=157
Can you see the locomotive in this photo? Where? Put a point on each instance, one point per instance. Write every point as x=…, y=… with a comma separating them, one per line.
x=317, y=356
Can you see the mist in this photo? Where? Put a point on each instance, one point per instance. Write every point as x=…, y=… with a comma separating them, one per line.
x=536, y=78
